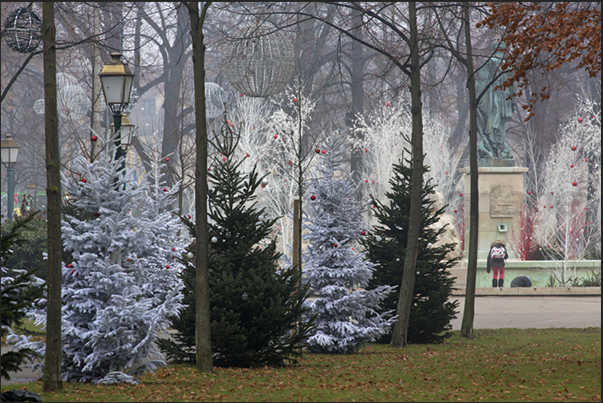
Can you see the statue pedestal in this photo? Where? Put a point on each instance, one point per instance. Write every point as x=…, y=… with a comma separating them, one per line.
x=500, y=204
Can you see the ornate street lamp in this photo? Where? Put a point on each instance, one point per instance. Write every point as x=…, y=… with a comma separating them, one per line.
x=10, y=153
x=127, y=131
x=116, y=81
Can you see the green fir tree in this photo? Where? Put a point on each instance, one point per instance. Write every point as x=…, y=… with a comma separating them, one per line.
x=254, y=304
x=20, y=290
x=431, y=312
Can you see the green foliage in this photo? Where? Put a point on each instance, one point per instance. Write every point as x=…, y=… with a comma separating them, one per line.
x=593, y=279
x=254, y=304
x=29, y=251
x=431, y=312
x=18, y=293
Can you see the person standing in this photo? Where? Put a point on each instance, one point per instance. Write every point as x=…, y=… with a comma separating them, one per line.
x=496, y=261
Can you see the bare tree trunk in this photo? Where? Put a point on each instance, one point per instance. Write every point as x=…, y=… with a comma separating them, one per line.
x=95, y=115
x=400, y=332
x=54, y=349
x=357, y=107
x=202, y=318
x=172, y=93
x=469, y=310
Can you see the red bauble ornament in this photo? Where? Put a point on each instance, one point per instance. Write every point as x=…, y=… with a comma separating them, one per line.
x=290, y=162
x=167, y=266
x=275, y=136
x=246, y=155
x=552, y=193
x=585, y=159
x=94, y=138
x=461, y=195
x=571, y=166
x=529, y=192
x=445, y=172
x=334, y=245
x=84, y=180
x=167, y=159
x=241, y=94
x=317, y=151
x=223, y=158
x=70, y=266
x=455, y=211
x=173, y=249
x=366, y=180
x=165, y=189
x=573, y=148
x=263, y=185
x=579, y=120
x=363, y=233
x=188, y=216
x=366, y=150
x=97, y=215
x=551, y=206
x=73, y=272
x=574, y=183
x=324, y=151
x=387, y=104
x=312, y=197
x=373, y=181
x=294, y=100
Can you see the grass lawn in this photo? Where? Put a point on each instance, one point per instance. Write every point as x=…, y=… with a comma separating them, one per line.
x=498, y=365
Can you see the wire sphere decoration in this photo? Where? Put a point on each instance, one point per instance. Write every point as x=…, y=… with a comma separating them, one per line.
x=215, y=97
x=259, y=62
x=72, y=100
x=22, y=30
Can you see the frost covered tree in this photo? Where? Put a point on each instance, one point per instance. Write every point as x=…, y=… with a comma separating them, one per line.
x=569, y=206
x=122, y=285
x=274, y=135
x=381, y=137
x=346, y=313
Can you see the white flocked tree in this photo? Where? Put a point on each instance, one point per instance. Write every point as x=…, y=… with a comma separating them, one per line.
x=346, y=313
x=122, y=284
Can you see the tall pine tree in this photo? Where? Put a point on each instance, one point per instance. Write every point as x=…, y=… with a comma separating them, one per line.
x=431, y=312
x=346, y=316
x=122, y=285
x=254, y=303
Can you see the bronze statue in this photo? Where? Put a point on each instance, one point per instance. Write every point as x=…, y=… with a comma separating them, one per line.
x=493, y=112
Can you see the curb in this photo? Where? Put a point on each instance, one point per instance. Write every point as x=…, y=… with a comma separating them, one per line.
x=532, y=291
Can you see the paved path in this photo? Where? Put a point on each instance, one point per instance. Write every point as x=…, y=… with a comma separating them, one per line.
x=493, y=313
x=532, y=312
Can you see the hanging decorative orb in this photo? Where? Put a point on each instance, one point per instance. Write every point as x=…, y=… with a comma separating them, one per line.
x=22, y=30
x=259, y=61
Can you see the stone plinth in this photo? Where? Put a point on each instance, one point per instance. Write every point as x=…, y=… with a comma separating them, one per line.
x=500, y=203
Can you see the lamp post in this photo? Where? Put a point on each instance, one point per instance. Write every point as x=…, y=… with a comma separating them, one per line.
x=126, y=132
x=10, y=152
x=116, y=81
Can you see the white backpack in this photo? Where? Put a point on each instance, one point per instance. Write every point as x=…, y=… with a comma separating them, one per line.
x=497, y=252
